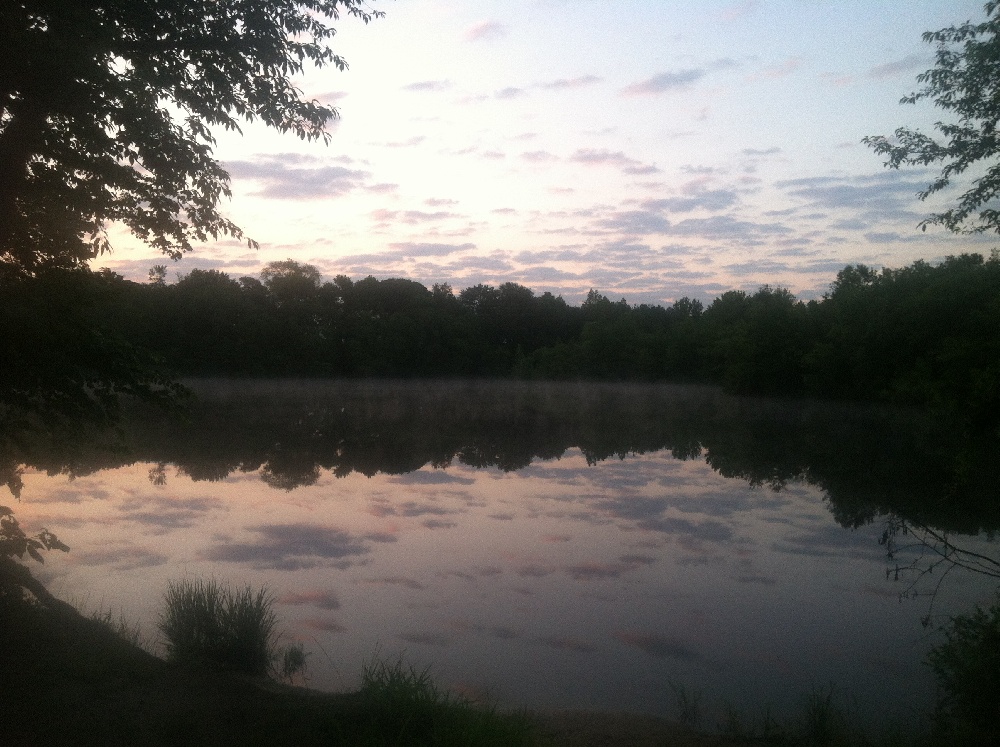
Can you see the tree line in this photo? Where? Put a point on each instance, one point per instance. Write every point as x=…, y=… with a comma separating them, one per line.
x=922, y=334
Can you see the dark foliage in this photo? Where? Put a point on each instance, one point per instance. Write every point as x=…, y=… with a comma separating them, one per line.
x=965, y=82
x=107, y=106
x=967, y=667
x=919, y=335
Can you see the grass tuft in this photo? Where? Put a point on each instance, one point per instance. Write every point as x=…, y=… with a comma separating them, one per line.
x=215, y=626
x=406, y=706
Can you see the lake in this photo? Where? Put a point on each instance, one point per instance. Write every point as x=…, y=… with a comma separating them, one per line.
x=548, y=545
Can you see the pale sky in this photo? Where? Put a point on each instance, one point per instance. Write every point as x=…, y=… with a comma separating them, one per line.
x=651, y=149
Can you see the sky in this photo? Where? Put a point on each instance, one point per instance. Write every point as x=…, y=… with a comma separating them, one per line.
x=648, y=149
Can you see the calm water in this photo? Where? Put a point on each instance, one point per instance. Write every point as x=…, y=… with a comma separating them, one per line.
x=544, y=545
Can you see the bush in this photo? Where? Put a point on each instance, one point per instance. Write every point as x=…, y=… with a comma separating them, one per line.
x=967, y=667
x=214, y=626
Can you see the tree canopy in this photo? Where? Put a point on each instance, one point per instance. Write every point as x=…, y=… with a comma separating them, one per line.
x=965, y=82
x=107, y=109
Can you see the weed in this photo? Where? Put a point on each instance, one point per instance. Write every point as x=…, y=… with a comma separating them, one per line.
x=293, y=663
x=688, y=704
x=821, y=716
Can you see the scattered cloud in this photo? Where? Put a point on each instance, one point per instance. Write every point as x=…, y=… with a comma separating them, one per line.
x=592, y=571
x=663, y=83
x=714, y=200
x=408, y=143
x=324, y=600
x=899, y=67
x=164, y=514
x=618, y=159
x=293, y=546
x=564, y=83
x=657, y=645
x=567, y=643
x=539, y=156
x=509, y=93
x=428, y=85
x=120, y=558
x=290, y=176
x=485, y=30
x=418, y=249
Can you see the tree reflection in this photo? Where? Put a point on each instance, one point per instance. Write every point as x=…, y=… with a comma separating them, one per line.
x=870, y=462
x=932, y=551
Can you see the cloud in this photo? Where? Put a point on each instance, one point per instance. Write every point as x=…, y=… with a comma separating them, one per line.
x=618, y=159
x=905, y=65
x=294, y=546
x=120, y=558
x=428, y=85
x=408, y=583
x=509, y=93
x=660, y=646
x=593, y=571
x=438, y=524
x=636, y=222
x=289, y=176
x=710, y=530
x=757, y=267
x=166, y=514
x=539, y=156
x=663, y=83
x=716, y=199
x=383, y=508
x=324, y=600
x=882, y=193
x=564, y=83
x=408, y=143
x=411, y=217
x=419, y=249
x=485, y=31
x=567, y=643
x=726, y=227
x=425, y=639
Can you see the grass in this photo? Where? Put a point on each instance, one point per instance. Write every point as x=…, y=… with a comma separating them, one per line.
x=407, y=707
x=211, y=625
x=83, y=680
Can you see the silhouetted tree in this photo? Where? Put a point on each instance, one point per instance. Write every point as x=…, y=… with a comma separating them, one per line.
x=965, y=81
x=86, y=137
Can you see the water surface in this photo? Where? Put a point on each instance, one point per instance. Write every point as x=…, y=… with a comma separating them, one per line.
x=536, y=544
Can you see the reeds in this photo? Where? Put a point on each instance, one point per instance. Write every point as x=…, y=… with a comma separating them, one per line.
x=207, y=624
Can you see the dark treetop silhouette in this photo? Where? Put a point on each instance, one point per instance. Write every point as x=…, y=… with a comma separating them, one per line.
x=106, y=108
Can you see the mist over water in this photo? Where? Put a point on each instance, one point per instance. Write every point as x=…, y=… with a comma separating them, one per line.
x=558, y=545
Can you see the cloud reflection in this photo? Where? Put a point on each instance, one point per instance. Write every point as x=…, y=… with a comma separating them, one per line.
x=289, y=547
x=657, y=645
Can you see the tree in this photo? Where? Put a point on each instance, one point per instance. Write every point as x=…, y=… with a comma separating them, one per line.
x=965, y=82
x=290, y=281
x=106, y=110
